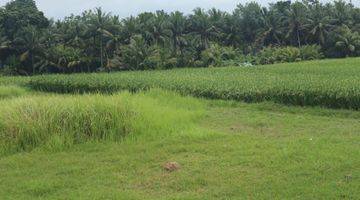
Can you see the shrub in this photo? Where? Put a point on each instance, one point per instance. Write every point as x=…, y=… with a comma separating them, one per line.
x=311, y=52
x=271, y=55
x=135, y=55
x=266, y=56
x=218, y=55
x=287, y=54
x=12, y=66
x=160, y=58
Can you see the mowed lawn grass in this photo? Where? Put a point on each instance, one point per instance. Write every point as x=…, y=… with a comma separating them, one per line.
x=234, y=151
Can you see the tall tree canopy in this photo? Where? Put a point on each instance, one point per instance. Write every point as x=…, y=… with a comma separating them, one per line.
x=97, y=40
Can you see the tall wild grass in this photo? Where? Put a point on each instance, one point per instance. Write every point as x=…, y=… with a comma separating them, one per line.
x=60, y=121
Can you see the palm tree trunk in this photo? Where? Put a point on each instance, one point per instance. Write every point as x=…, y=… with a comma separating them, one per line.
x=175, y=45
x=32, y=63
x=206, y=43
x=101, y=52
x=298, y=37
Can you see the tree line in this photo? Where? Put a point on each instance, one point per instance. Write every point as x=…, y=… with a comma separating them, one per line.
x=100, y=41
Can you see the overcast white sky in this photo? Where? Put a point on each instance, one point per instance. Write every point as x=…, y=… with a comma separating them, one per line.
x=124, y=8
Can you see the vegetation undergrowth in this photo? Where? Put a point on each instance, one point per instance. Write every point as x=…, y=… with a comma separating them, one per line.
x=59, y=121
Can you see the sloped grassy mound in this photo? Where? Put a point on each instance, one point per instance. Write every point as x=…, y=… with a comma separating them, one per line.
x=11, y=91
x=58, y=121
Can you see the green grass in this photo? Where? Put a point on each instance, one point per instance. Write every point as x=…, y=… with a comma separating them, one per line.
x=327, y=83
x=113, y=145
x=11, y=91
x=58, y=121
x=227, y=150
x=14, y=80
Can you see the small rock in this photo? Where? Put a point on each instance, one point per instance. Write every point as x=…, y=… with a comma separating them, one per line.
x=171, y=166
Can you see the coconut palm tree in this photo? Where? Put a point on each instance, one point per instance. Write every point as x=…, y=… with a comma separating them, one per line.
x=229, y=34
x=73, y=31
x=201, y=26
x=177, y=27
x=160, y=30
x=30, y=42
x=129, y=28
x=318, y=24
x=272, y=31
x=100, y=22
x=341, y=13
x=347, y=41
x=295, y=18
x=5, y=46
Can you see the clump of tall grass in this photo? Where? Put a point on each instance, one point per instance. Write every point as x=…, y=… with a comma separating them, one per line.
x=11, y=91
x=60, y=121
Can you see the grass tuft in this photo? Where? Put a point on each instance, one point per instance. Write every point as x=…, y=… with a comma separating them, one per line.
x=60, y=121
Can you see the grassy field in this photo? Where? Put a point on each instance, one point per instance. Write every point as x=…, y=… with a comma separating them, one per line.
x=328, y=83
x=11, y=91
x=114, y=146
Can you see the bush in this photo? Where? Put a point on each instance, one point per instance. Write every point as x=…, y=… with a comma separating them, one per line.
x=160, y=58
x=311, y=52
x=271, y=55
x=218, y=55
x=135, y=55
x=12, y=66
x=287, y=54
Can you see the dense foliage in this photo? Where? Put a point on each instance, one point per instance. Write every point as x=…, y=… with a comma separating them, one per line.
x=98, y=41
x=316, y=83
